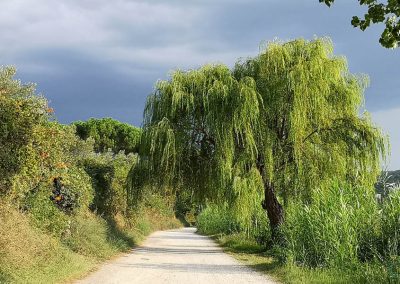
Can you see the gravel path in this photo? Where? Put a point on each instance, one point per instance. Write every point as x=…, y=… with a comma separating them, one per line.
x=176, y=256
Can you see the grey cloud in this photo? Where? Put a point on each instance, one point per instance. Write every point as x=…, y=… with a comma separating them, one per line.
x=101, y=58
x=154, y=37
x=83, y=87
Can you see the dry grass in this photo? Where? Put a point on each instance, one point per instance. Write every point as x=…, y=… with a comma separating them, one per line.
x=28, y=255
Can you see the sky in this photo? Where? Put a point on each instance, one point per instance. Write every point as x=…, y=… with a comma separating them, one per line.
x=101, y=58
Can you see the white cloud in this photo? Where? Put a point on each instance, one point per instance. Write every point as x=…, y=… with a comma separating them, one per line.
x=389, y=121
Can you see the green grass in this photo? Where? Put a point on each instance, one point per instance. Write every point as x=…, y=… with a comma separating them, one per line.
x=342, y=236
x=253, y=255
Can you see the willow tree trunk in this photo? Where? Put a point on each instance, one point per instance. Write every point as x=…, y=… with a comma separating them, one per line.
x=274, y=210
x=270, y=203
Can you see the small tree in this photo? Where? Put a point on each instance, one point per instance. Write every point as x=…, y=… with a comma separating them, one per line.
x=278, y=126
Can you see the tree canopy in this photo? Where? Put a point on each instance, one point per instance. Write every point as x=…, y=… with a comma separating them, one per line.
x=276, y=127
x=109, y=133
x=378, y=12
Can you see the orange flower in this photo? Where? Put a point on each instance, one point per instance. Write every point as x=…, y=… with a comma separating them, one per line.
x=61, y=165
x=44, y=155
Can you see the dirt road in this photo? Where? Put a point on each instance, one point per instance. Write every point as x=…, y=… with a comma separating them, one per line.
x=175, y=256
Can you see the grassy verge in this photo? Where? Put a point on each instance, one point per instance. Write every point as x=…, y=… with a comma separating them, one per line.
x=31, y=255
x=254, y=256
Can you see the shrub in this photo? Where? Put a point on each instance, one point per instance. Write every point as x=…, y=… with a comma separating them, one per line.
x=155, y=212
x=91, y=235
x=54, y=151
x=50, y=217
x=20, y=111
x=108, y=174
x=217, y=220
x=44, y=214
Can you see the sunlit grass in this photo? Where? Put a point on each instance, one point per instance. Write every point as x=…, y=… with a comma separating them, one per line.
x=31, y=255
x=256, y=257
x=253, y=255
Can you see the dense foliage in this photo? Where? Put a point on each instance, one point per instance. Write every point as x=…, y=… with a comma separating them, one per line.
x=342, y=226
x=379, y=12
x=109, y=133
x=20, y=111
x=108, y=173
x=275, y=128
x=219, y=219
x=342, y=236
x=63, y=207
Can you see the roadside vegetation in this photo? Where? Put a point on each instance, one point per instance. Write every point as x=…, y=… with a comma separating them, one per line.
x=63, y=203
x=281, y=159
x=343, y=236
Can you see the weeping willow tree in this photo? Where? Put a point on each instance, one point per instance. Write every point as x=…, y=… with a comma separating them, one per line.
x=311, y=130
x=192, y=133
x=273, y=129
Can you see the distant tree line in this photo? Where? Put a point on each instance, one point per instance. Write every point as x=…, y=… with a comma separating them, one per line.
x=109, y=133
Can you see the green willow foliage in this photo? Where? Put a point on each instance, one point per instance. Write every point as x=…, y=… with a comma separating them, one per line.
x=186, y=118
x=311, y=130
x=279, y=125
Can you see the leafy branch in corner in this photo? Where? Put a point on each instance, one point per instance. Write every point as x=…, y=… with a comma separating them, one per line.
x=388, y=13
